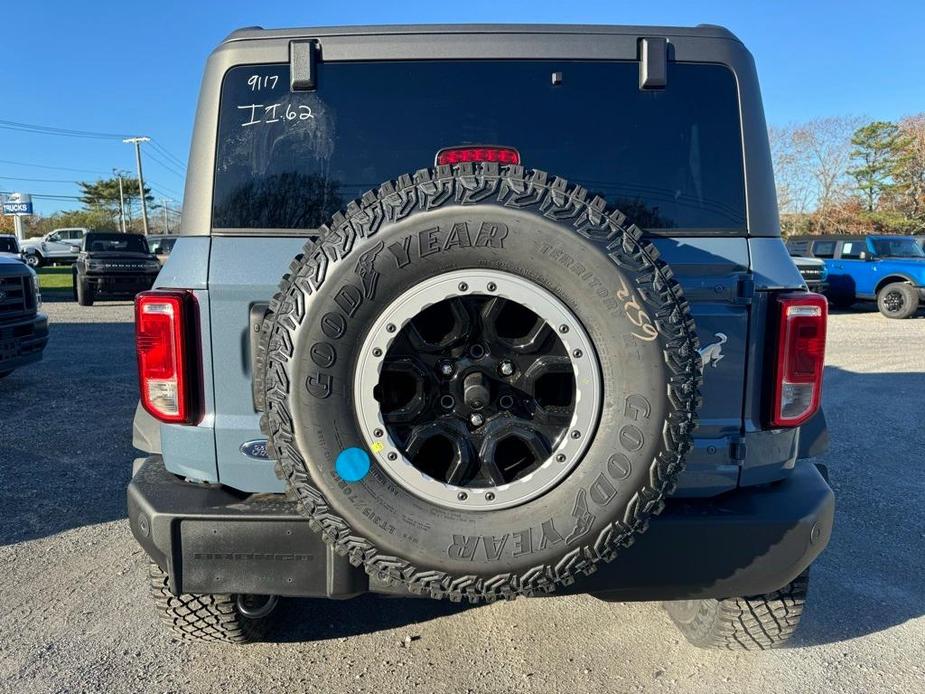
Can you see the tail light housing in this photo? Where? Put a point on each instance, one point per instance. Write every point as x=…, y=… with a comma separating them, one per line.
x=802, y=321
x=166, y=337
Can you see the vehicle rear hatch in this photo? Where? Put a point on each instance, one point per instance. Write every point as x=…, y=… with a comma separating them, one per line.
x=670, y=158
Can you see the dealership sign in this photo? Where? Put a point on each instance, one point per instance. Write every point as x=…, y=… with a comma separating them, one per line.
x=17, y=204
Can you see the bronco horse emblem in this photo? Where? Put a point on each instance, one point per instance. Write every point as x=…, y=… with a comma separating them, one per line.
x=711, y=354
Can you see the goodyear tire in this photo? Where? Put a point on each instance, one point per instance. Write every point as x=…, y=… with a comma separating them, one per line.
x=500, y=228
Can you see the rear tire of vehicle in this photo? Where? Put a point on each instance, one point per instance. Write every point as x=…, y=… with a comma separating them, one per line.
x=205, y=617
x=898, y=300
x=84, y=293
x=34, y=260
x=756, y=623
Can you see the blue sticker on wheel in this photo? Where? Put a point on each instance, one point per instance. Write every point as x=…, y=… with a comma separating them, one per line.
x=352, y=464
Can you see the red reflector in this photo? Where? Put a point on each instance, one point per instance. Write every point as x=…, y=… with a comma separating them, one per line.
x=800, y=358
x=459, y=155
x=162, y=345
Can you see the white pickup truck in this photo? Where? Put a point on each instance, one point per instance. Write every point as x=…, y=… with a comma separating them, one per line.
x=58, y=246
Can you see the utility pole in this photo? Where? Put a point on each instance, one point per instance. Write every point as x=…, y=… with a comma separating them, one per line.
x=166, y=220
x=121, y=202
x=141, y=181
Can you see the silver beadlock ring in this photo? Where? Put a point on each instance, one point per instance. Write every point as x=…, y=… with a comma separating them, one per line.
x=585, y=367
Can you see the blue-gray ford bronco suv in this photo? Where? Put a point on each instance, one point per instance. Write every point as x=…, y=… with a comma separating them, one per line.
x=481, y=312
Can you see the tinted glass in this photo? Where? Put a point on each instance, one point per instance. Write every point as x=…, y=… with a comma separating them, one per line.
x=897, y=248
x=669, y=159
x=8, y=246
x=824, y=249
x=125, y=243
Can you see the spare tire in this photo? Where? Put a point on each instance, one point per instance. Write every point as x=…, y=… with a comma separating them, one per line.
x=508, y=359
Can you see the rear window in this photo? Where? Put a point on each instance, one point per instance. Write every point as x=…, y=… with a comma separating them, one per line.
x=103, y=243
x=670, y=159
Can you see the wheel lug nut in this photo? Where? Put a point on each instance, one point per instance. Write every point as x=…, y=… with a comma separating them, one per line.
x=463, y=287
x=446, y=368
x=462, y=496
x=577, y=353
x=563, y=328
x=489, y=496
x=390, y=328
x=492, y=286
x=560, y=458
x=576, y=434
x=377, y=433
x=476, y=420
x=392, y=456
x=377, y=352
x=506, y=367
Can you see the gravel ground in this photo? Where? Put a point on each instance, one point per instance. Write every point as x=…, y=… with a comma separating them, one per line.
x=75, y=614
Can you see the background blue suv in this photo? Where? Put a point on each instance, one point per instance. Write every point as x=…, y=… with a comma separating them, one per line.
x=887, y=269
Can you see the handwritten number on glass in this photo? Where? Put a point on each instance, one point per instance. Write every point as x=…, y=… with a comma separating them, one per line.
x=258, y=82
x=259, y=113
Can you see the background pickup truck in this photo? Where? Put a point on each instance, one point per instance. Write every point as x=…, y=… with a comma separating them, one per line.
x=58, y=246
x=23, y=330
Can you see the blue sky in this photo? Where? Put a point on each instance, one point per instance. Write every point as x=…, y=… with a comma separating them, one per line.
x=126, y=67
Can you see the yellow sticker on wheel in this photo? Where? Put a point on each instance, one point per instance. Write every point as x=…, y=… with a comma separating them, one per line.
x=377, y=446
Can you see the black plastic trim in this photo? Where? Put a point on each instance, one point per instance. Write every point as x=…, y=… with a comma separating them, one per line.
x=302, y=72
x=653, y=63
x=210, y=539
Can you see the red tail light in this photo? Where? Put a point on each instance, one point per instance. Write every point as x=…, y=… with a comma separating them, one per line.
x=800, y=358
x=459, y=155
x=164, y=341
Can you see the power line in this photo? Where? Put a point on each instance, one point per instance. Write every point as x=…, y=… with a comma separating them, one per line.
x=161, y=190
x=46, y=196
x=170, y=157
x=55, y=168
x=38, y=180
x=63, y=132
x=167, y=166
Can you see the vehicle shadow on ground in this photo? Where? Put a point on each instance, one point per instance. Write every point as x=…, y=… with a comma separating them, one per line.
x=868, y=307
x=65, y=432
x=302, y=620
x=872, y=575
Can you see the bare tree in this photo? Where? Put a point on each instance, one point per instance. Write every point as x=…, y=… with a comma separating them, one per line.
x=827, y=146
x=910, y=173
x=791, y=171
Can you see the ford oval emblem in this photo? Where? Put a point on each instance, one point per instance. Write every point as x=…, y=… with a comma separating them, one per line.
x=256, y=449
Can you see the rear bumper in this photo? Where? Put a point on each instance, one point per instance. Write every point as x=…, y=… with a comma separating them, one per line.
x=23, y=341
x=211, y=540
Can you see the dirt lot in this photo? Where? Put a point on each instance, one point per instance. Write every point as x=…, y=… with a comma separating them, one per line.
x=75, y=616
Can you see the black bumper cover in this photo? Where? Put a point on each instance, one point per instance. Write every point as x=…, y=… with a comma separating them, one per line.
x=119, y=284
x=23, y=341
x=212, y=540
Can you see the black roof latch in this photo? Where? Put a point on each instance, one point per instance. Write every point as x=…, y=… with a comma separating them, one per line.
x=303, y=75
x=653, y=63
